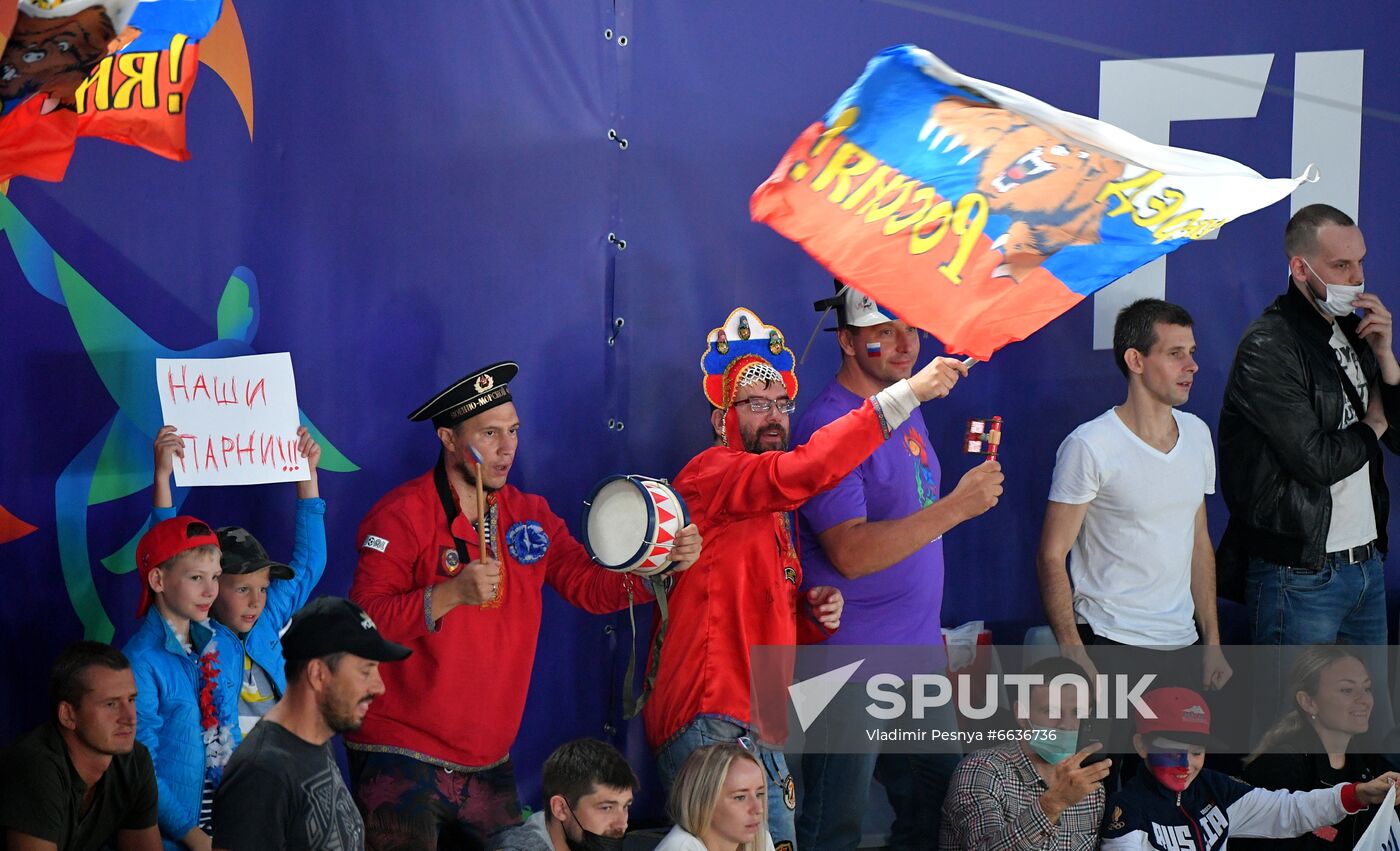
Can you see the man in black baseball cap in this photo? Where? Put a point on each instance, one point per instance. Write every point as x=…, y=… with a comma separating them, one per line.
x=282, y=788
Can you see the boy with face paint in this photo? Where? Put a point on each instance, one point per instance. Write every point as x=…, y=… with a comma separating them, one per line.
x=1174, y=802
x=1036, y=793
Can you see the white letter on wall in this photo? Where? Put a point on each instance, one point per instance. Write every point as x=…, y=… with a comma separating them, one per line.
x=1144, y=96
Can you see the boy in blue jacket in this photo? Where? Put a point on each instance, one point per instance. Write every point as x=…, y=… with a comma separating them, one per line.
x=187, y=676
x=257, y=596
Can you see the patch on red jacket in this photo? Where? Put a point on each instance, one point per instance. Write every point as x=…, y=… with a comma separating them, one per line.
x=450, y=562
x=790, y=574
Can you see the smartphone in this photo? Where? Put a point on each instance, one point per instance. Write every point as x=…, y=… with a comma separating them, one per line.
x=1093, y=730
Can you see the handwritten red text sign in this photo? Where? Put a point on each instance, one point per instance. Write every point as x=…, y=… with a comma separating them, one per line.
x=237, y=416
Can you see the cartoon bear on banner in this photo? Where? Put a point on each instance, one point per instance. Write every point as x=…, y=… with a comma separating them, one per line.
x=107, y=69
x=55, y=45
x=1046, y=186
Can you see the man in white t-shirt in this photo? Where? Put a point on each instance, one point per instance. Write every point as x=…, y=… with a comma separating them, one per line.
x=1127, y=506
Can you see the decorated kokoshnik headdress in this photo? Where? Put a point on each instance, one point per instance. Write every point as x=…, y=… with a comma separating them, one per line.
x=740, y=353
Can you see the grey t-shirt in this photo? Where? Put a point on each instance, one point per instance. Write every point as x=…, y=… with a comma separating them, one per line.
x=533, y=835
x=282, y=792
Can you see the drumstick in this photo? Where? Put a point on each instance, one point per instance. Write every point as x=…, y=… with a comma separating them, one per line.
x=480, y=502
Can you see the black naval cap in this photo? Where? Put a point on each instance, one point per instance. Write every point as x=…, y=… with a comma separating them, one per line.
x=468, y=396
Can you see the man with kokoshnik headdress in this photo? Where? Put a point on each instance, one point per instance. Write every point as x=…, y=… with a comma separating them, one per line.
x=432, y=761
x=743, y=590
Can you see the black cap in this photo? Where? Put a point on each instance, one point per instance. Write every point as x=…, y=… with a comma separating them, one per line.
x=469, y=395
x=241, y=553
x=329, y=625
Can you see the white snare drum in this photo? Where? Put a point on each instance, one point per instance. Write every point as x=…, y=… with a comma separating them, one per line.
x=630, y=524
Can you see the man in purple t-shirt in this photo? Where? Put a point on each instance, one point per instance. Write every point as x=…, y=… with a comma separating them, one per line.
x=877, y=536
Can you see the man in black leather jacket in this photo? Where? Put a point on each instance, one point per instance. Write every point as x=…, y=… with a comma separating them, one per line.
x=1306, y=409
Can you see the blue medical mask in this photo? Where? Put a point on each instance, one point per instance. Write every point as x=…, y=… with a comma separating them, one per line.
x=1052, y=745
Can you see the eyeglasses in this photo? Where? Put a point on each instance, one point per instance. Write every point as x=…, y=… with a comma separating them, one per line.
x=760, y=405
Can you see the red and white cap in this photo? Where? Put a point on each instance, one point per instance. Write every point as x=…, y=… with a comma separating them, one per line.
x=164, y=541
x=1182, y=716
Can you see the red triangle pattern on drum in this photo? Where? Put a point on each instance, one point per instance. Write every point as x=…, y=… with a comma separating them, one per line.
x=662, y=536
x=659, y=551
x=662, y=515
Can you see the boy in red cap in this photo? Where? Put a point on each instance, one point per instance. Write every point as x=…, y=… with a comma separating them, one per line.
x=257, y=595
x=186, y=694
x=1174, y=802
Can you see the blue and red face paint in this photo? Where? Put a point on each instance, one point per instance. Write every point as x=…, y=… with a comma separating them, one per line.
x=1171, y=768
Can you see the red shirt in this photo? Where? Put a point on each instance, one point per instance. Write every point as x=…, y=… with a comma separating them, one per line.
x=743, y=591
x=457, y=701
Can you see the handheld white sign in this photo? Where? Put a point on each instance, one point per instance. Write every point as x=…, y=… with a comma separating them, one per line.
x=237, y=417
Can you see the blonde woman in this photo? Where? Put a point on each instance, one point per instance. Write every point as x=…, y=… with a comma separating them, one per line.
x=718, y=802
x=1311, y=746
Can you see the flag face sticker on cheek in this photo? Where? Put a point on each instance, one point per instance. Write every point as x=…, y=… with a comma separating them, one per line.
x=978, y=213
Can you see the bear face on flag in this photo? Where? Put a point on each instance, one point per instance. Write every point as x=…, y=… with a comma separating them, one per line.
x=979, y=213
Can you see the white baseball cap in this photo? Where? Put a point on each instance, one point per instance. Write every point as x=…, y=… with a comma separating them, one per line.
x=861, y=311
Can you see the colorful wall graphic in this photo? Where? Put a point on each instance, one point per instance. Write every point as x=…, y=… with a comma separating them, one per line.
x=567, y=184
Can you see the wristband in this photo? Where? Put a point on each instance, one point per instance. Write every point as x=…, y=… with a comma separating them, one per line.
x=1351, y=801
x=895, y=404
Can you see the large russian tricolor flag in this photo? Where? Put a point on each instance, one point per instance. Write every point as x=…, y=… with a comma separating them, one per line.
x=979, y=213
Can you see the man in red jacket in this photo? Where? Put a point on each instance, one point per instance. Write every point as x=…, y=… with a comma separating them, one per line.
x=431, y=767
x=743, y=590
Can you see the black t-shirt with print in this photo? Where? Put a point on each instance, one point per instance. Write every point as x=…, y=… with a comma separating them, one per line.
x=41, y=793
x=280, y=791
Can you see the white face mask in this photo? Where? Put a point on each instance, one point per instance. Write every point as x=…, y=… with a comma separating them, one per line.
x=1339, y=296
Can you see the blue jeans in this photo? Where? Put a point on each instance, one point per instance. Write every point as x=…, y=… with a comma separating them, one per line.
x=836, y=791
x=1340, y=603
x=716, y=731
